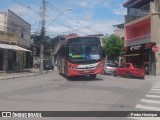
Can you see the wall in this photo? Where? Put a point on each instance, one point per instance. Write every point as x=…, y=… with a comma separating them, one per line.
x=137, y=30
x=2, y=22
x=19, y=26
x=119, y=32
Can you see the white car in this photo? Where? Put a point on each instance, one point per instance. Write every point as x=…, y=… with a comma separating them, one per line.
x=109, y=68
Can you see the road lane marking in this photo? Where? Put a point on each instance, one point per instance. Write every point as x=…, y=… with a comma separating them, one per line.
x=155, y=89
x=154, y=96
x=147, y=107
x=156, y=86
x=153, y=92
x=150, y=101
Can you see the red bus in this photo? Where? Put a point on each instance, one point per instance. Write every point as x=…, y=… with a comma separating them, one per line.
x=79, y=56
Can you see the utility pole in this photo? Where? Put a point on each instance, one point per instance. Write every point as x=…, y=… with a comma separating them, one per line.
x=42, y=35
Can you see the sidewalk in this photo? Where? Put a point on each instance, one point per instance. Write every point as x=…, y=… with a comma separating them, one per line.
x=151, y=77
x=24, y=73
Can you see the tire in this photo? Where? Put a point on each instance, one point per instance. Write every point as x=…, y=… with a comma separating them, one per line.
x=92, y=76
x=114, y=74
x=128, y=75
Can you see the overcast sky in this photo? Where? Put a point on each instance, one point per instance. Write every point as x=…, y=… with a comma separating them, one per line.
x=86, y=17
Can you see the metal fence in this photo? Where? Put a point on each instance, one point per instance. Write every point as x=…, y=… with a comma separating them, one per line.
x=134, y=13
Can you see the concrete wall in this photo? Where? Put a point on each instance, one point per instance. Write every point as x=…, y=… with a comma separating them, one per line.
x=119, y=33
x=21, y=28
x=138, y=29
x=3, y=22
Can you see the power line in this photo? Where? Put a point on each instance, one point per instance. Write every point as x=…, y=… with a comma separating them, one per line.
x=37, y=12
x=28, y=7
x=71, y=30
x=6, y=26
x=51, y=6
x=75, y=20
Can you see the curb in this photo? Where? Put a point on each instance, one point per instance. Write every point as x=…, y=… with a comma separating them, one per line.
x=20, y=76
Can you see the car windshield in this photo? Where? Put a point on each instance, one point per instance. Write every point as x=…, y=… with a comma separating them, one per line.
x=84, y=52
x=137, y=66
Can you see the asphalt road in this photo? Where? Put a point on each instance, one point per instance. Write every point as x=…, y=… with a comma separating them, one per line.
x=53, y=92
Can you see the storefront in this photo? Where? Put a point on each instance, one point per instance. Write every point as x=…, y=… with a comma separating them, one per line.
x=13, y=57
x=143, y=56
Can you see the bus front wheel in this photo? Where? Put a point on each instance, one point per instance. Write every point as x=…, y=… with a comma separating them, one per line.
x=92, y=76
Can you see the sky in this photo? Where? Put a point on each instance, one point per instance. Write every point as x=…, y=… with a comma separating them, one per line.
x=83, y=17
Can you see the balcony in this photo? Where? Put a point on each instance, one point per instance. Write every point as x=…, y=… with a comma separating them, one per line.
x=6, y=37
x=135, y=14
x=138, y=40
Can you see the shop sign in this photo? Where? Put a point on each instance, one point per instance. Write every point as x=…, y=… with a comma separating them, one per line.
x=155, y=48
x=137, y=47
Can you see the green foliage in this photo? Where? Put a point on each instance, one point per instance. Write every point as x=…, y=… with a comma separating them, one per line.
x=48, y=45
x=113, y=46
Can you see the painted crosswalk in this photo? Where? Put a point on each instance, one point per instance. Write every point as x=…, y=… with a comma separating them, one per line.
x=151, y=102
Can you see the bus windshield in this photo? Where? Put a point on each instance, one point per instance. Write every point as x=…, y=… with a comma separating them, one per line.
x=84, y=52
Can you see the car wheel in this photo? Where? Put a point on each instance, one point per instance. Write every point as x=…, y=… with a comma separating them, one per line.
x=114, y=74
x=128, y=75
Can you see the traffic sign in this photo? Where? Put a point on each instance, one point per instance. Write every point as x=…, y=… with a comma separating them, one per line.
x=155, y=48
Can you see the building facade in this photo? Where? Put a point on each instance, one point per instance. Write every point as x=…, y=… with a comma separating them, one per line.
x=119, y=30
x=15, y=40
x=142, y=33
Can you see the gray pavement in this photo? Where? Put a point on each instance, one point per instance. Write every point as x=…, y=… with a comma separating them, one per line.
x=53, y=92
x=32, y=72
x=24, y=73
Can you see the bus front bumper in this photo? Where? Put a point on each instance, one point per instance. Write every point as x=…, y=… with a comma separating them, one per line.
x=74, y=72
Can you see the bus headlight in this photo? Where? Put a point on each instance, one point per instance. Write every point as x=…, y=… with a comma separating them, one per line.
x=70, y=67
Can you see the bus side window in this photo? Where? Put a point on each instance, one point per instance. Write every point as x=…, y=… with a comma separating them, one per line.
x=67, y=51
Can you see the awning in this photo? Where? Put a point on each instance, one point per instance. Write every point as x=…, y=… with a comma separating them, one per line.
x=13, y=47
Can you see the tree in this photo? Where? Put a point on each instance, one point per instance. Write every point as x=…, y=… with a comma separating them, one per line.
x=112, y=46
x=48, y=45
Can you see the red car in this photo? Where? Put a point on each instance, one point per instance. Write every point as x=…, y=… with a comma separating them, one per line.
x=129, y=70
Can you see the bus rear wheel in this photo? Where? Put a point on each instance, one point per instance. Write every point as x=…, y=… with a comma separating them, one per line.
x=93, y=76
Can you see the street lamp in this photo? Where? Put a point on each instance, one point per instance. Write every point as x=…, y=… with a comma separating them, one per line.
x=58, y=17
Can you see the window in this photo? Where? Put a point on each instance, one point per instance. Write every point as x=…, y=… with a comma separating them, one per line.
x=22, y=35
x=127, y=66
x=111, y=65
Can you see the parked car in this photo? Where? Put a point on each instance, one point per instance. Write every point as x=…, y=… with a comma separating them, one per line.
x=129, y=70
x=109, y=68
x=48, y=65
